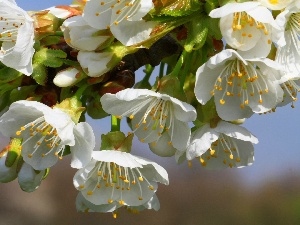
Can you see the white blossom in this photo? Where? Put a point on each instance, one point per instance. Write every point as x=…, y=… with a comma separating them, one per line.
x=123, y=18
x=152, y=114
x=246, y=27
x=16, y=36
x=46, y=132
x=114, y=179
x=240, y=86
x=226, y=145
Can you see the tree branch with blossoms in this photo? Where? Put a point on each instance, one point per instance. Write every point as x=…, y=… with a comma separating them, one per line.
x=219, y=63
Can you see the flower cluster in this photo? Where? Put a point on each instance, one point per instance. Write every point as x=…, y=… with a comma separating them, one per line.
x=225, y=62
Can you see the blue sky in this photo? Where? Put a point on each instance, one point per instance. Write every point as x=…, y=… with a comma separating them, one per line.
x=278, y=151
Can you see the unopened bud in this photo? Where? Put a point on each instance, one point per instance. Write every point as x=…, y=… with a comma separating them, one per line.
x=67, y=77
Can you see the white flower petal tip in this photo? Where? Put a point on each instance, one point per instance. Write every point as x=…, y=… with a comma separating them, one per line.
x=275, y=4
x=29, y=179
x=114, y=179
x=16, y=37
x=246, y=27
x=227, y=145
x=93, y=63
x=67, y=77
x=124, y=19
x=240, y=86
x=45, y=132
x=152, y=114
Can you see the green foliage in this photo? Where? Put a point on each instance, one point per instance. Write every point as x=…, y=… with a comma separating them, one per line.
x=116, y=141
x=179, y=8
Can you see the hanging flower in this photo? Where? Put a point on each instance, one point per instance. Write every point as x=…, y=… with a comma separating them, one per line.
x=46, y=132
x=123, y=18
x=152, y=114
x=246, y=27
x=227, y=145
x=16, y=36
x=240, y=86
x=114, y=179
x=287, y=40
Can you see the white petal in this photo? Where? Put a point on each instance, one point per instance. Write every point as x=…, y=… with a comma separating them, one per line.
x=29, y=179
x=236, y=132
x=84, y=144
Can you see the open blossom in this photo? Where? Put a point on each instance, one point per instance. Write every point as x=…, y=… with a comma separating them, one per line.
x=123, y=18
x=152, y=114
x=16, y=36
x=240, y=86
x=114, y=179
x=287, y=40
x=46, y=132
x=246, y=27
x=226, y=145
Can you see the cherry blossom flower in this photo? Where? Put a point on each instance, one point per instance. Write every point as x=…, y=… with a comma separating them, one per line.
x=16, y=36
x=287, y=40
x=46, y=132
x=123, y=18
x=226, y=145
x=114, y=179
x=152, y=114
x=246, y=27
x=240, y=86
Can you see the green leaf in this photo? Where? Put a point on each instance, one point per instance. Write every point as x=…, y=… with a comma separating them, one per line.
x=49, y=57
x=39, y=73
x=181, y=8
x=197, y=34
x=8, y=74
x=50, y=40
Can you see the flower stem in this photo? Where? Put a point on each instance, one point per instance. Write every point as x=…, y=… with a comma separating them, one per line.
x=80, y=91
x=161, y=69
x=115, y=123
x=148, y=71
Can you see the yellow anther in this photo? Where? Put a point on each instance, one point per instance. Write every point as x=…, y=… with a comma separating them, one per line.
x=212, y=152
x=141, y=179
x=98, y=186
x=109, y=201
x=190, y=164
x=121, y=202
x=18, y=133
x=89, y=193
x=29, y=155
x=131, y=116
x=238, y=159
x=81, y=186
x=222, y=101
x=231, y=156
x=151, y=187
x=140, y=198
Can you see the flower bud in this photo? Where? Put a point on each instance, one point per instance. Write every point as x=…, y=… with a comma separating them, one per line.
x=67, y=77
